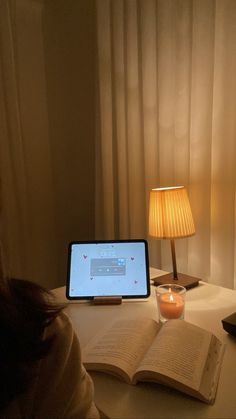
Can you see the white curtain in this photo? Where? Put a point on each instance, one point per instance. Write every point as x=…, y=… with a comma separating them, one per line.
x=28, y=228
x=167, y=116
x=47, y=145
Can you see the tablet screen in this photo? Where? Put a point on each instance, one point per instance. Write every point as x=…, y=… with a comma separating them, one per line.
x=108, y=268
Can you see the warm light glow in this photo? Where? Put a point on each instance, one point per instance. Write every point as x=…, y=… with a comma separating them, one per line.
x=170, y=214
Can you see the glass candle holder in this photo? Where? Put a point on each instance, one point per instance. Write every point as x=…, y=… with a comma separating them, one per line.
x=170, y=301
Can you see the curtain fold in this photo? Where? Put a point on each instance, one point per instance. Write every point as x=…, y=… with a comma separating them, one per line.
x=167, y=100
x=14, y=208
x=47, y=134
x=28, y=229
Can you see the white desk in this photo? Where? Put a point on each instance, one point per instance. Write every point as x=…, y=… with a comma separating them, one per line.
x=206, y=306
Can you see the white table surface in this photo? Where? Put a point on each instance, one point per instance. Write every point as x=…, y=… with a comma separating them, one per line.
x=206, y=305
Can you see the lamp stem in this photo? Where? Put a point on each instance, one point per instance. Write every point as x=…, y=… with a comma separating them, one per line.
x=172, y=243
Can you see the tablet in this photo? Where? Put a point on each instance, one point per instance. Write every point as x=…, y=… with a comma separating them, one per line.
x=108, y=268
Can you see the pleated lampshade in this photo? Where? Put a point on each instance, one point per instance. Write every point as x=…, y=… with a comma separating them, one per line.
x=170, y=215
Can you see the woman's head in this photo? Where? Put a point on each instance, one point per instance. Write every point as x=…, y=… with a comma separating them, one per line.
x=26, y=309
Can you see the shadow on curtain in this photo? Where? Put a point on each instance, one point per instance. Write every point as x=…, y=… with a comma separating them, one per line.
x=28, y=228
x=47, y=113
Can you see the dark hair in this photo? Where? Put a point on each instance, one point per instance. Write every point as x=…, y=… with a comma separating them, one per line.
x=26, y=309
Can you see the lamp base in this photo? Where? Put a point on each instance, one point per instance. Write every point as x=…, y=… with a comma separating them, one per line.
x=186, y=281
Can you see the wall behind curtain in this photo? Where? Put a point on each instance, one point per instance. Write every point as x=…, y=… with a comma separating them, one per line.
x=46, y=133
x=166, y=112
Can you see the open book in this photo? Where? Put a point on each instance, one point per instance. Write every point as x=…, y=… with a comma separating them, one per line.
x=178, y=354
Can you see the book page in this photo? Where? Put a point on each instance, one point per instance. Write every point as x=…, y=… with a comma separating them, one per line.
x=179, y=351
x=212, y=369
x=122, y=344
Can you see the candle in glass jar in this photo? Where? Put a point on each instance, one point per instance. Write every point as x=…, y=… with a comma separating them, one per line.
x=171, y=305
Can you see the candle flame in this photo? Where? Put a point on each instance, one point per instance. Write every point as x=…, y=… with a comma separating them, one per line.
x=171, y=297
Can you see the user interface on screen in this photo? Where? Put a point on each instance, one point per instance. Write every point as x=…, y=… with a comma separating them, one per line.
x=108, y=269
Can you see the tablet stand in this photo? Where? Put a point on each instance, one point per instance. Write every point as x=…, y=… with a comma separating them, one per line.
x=107, y=300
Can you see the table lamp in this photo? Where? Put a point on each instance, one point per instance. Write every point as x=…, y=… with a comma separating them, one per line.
x=170, y=217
